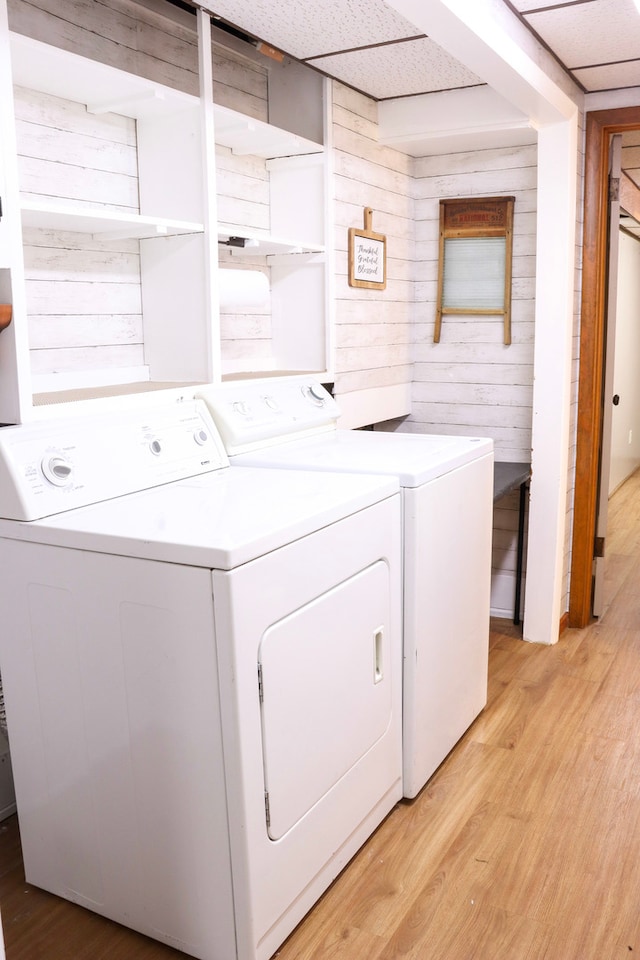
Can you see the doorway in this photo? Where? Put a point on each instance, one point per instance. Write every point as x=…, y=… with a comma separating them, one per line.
x=600, y=125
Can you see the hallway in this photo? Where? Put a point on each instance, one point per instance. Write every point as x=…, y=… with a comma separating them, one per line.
x=525, y=845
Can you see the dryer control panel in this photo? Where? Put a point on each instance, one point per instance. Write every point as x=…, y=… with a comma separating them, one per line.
x=251, y=414
x=55, y=465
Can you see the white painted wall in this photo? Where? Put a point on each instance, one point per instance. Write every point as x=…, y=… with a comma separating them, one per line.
x=625, y=425
x=547, y=557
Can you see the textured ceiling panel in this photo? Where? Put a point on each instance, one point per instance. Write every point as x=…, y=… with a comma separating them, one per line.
x=603, y=31
x=306, y=28
x=399, y=69
x=613, y=77
x=597, y=41
x=524, y=5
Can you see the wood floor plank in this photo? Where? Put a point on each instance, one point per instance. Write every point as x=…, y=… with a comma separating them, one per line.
x=468, y=930
x=623, y=677
x=452, y=893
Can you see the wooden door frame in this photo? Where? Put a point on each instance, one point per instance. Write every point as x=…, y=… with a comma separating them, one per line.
x=600, y=125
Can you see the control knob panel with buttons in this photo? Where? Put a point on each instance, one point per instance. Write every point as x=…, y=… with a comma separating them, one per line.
x=54, y=465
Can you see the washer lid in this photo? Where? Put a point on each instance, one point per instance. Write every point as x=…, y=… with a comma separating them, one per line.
x=413, y=458
x=218, y=520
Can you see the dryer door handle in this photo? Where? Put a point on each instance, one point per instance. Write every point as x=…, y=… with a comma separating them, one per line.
x=378, y=638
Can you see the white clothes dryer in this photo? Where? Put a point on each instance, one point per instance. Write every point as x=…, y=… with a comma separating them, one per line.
x=447, y=491
x=202, y=674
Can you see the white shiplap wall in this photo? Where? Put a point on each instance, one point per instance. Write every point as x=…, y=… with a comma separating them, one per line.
x=126, y=35
x=373, y=327
x=471, y=379
x=471, y=383
x=83, y=295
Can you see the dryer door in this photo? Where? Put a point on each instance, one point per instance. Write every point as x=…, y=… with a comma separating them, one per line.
x=323, y=703
x=322, y=744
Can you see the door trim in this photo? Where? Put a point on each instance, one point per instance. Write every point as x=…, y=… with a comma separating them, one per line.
x=600, y=124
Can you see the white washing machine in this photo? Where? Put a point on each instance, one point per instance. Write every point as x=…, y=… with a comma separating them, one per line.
x=202, y=674
x=447, y=491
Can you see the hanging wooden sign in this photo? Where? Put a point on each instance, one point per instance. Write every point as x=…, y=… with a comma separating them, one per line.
x=367, y=256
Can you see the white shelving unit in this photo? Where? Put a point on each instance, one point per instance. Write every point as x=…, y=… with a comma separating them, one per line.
x=109, y=250
x=295, y=247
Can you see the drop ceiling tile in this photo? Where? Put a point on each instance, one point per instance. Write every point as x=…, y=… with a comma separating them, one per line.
x=307, y=28
x=585, y=34
x=399, y=69
x=524, y=5
x=614, y=77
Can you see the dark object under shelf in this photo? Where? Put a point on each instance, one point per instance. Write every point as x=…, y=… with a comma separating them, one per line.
x=508, y=477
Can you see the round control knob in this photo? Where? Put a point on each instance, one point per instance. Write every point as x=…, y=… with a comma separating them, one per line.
x=271, y=403
x=201, y=436
x=241, y=407
x=156, y=448
x=315, y=393
x=57, y=469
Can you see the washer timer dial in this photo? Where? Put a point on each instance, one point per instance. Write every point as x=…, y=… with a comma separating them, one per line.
x=57, y=469
x=315, y=393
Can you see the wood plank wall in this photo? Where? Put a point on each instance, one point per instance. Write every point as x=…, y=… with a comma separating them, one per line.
x=471, y=382
x=126, y=35
x=82, y=158
x=373, y=327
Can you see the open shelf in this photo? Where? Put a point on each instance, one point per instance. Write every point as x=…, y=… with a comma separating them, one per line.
x=101, y=222
x=260, y=244
x=102, y=88
x=244, y=136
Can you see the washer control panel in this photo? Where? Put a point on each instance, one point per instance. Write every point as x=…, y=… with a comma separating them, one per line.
x=256, y=413
x=50, y=466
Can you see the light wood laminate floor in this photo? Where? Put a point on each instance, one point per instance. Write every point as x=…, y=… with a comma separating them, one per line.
x=525, y=845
